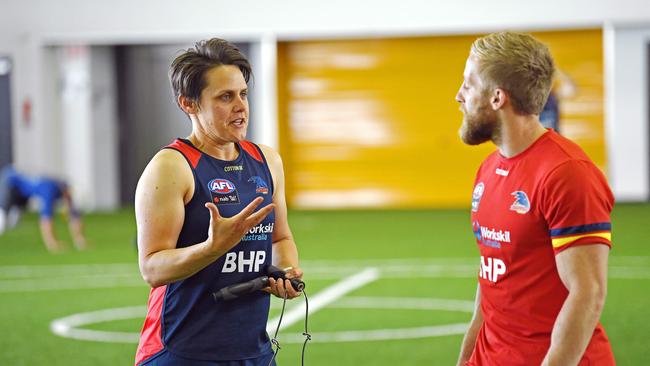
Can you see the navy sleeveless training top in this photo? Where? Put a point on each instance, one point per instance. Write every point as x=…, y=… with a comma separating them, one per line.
x=182, y=316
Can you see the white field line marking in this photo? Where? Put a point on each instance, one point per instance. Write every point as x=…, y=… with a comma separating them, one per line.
x=629, y=260
x=399, y=264
x=338, y=270
x=116, y=278
x=390, y=265
x=45, y=270
x=324, y=297
x=407, y=303
x=68, y=327
x=35, y=271
x=448, y=261
x=71, y=283
x=378, y=334
x=390, y=261
x=629, y=273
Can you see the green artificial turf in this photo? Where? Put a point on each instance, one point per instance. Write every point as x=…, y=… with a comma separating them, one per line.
x=37, y=287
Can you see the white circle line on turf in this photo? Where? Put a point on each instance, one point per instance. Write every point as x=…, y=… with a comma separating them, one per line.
x=69, y=327
x=324, y=297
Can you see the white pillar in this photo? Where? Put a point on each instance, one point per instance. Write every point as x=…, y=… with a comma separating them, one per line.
x=626, y=113
x=89, y=125
x=104, y=131
x=263, y=58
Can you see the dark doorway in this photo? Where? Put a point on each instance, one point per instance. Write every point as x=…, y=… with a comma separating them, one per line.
x=149, y=118
x=5, y=111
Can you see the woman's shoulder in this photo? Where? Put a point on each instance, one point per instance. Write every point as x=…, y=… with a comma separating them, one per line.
x=167, y=163
x=272, y=156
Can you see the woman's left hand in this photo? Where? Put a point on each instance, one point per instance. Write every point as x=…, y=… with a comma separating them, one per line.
x=281, y=287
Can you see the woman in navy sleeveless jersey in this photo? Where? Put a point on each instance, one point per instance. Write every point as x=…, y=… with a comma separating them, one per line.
x=210, y=213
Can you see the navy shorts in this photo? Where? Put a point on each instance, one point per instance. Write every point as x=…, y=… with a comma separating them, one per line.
x=9, y=195
x=165, y=358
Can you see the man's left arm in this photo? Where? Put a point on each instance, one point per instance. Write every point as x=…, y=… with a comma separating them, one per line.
x=583, y=270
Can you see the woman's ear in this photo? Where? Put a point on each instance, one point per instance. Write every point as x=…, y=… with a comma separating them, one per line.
x=187, y=105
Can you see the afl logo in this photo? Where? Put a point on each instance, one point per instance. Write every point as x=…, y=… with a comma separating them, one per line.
x=476, y=196
x=221, y=186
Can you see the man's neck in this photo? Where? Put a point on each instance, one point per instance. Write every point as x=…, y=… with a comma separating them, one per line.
x=518, y=133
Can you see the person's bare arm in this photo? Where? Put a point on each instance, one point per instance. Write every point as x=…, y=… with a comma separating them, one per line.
x=583, y=270
x=75, y=225
x=52, y=244
x=285, y=252
x=166, y=185
x=467, y=347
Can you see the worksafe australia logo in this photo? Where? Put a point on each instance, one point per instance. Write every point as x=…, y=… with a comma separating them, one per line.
x=490, y=237
x=259, y=232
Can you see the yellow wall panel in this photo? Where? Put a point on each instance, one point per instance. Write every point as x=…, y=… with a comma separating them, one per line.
x=579, y=58
x=374, y=123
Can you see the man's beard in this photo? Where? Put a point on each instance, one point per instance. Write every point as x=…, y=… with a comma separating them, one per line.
x=480, y=126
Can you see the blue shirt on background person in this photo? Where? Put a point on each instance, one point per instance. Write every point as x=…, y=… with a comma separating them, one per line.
x=17, y=189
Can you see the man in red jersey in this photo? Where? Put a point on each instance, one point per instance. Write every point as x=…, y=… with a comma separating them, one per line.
x=540, y=215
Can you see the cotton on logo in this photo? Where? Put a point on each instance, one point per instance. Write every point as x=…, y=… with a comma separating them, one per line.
x=237, y=261
x=491, y=268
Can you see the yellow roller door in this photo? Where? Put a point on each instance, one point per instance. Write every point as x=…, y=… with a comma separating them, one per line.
x=374, y=123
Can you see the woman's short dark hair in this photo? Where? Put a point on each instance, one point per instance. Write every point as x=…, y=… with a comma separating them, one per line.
x=187, y=71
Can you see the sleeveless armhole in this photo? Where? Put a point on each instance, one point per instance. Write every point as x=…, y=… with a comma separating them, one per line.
x=256, y=153
x=191, y=155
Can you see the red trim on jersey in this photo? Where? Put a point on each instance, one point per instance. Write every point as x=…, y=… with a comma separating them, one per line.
x=151, y=335
x=250, y=148
x=190, y=153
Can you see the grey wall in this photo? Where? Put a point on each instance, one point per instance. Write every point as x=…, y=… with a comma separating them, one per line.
x=147, y=112
x=148, y=117
x=5, y=112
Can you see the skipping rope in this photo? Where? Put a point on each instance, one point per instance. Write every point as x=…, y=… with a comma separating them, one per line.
x=275, y=341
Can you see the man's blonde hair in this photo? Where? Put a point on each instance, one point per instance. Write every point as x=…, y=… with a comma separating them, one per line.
x=519, y=64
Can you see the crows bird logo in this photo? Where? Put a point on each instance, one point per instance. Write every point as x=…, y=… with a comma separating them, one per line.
x=521, y=204
x=260, y=185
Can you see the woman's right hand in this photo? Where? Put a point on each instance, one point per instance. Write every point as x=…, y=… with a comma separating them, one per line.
x=224, y=233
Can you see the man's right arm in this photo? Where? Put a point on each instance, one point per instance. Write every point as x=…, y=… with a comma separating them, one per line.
x=469, y=341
